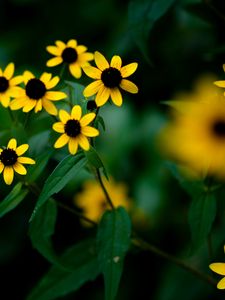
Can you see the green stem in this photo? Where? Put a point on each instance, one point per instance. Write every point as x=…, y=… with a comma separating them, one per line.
x=108, y=199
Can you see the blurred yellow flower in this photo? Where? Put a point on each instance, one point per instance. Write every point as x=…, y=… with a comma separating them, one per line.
x=219, y=268
x=74, y=129
x=11, y=160
x=8, y=84
x=196, y=135
x=70, y=53
x=108, y=79
x=36, y=94
x=92, y=200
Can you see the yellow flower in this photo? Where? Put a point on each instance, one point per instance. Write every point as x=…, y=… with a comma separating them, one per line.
x=11, y=160
x=74, y=129
x=8, y=84
x=92, y=200
x=196, y=135
x=36, y=94
x=72, y=54
x=221, y=83
x=108, y=79
x=219, y=268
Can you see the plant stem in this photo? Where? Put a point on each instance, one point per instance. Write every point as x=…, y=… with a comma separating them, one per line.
x=149, y=247
x=108, y=199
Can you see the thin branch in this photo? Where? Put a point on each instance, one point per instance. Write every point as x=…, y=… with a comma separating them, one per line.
x=108, y=199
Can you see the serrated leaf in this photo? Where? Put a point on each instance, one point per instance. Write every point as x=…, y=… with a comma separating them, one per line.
x=61, y=175
x=42, y=228
x=82, y=259
x=113, y=239
x=202, y=214
x=13, y=199
x=95, y=160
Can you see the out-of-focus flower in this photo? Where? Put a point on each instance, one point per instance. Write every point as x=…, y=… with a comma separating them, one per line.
x=219, y=268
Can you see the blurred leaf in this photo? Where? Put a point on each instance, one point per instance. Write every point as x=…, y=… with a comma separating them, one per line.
x=142, y=15
x=82, y=259
x=14, y=198
x=202, y=213
x=99, y=120
x=113, y=243
x=61, y=175
x=42, y=228
x=94, y=159
x=75, y=91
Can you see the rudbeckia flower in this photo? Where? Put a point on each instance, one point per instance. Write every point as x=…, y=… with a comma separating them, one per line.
x=11, y=160
x=36, y=94
x=219, y=268
x=109, y=78
x=92, y=199
x=195, y=137
x=8, y=84
x=74, y=129
x=70, y=53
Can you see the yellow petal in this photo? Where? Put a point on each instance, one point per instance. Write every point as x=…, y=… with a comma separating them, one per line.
x=102, y=96
x=1, y=72
x=116, y=96
x=45, y=77
x=55, y=96
x=220, y=83
x=72, y=43
x=218, y=268
x=12, y=144
x=9, y=71
x=60, y=44
x=101, y=61
x=93, y=88
x=81, y=48
x=86, y=119
x=129, y=86
x=20, y=169
x=84, y=57
x=22, y=149
x=128, y=69
x=29, y=105
x=75, y=70
x=16, y=91
x=27, y=75
x=58, y=127
x=16, y=80
x=18, y=103
x=64, y=116
x=61, y=141
x=76, y=112
x=8, y=174
x=1, y=167
x=83, y=142
x=73, y=145
x=5, y=99
x=53, y=50
x=89, y=131
x=221, y=284
x=54, y=61
x=49, y=107
x=92, y=72
x=38, y=106
x=26, y=160
x=116, y=62
x=52, y=83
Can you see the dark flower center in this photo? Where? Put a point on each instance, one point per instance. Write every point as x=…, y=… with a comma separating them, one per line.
x=4, y=84
x=8, y=157
x=72, y=128
x=111, y=77
x=69, y=55
x=219, y=128
x=91, y=105
x=35, y=89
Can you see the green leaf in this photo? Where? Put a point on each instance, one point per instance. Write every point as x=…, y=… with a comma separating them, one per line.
x=95, y=160
x=61, y=175
x=99, y=120
x=113, y=243
x=13, y=199
x=142, y=15
x=82, y=259
x=75, y=92
x=202, y=213
x=42, y=228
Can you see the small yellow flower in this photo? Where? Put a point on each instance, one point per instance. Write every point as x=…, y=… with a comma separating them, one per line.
x=92, y=200
x=11, y=160
x=36, y=94
x=219, y=268
x=108, y=79
x=8, y=84
x=74, y=129
x=70, y=53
